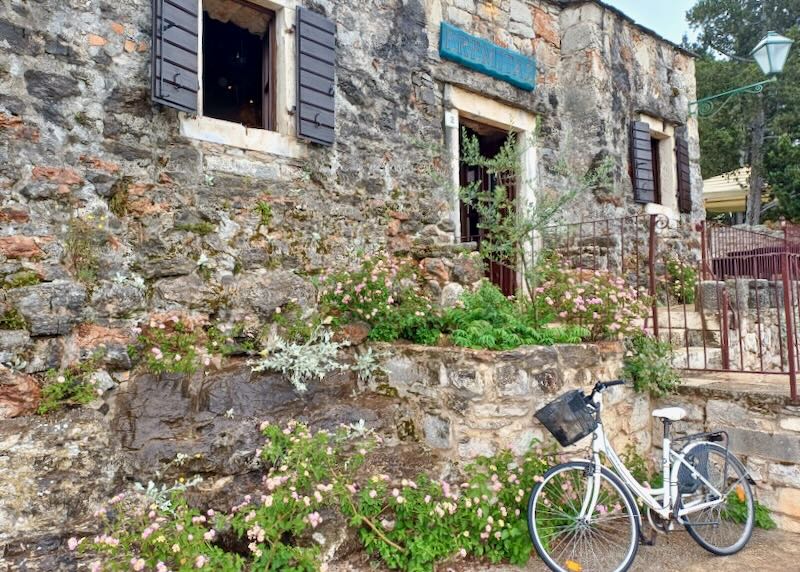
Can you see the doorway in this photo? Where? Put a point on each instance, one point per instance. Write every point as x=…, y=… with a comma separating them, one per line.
x=490, y=140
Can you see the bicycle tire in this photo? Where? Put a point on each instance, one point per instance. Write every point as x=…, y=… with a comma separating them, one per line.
x=611, y=478
x=696, y=531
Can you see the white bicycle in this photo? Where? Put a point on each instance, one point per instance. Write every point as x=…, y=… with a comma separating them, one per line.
x=582, y=516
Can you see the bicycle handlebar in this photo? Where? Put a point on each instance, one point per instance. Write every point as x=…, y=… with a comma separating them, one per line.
x=603, y=385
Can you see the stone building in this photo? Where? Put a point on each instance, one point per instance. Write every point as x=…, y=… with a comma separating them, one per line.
x=209, y=155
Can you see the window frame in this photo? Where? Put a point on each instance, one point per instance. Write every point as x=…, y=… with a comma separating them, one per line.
x=665, y=166
x=282, y=141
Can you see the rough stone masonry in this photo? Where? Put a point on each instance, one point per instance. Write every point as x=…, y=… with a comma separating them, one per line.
x=109, y=211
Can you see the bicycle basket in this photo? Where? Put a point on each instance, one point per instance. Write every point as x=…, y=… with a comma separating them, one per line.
x=567, y=417
x=698, y=458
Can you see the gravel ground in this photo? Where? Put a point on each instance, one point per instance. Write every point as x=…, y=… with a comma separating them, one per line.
x=676, y=552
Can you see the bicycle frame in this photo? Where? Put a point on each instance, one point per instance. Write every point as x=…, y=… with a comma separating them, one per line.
x=660, y=500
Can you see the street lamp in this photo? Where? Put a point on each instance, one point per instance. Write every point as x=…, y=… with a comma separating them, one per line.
x=770, y=54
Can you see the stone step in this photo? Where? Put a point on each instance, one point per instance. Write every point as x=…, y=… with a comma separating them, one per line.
x=680, y=338
x=686, y=317
x=697, y=357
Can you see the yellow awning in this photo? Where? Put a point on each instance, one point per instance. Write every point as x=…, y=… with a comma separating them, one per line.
x=727, y=193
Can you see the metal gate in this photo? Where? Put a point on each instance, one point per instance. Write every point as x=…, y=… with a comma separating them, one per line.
x=726, y=298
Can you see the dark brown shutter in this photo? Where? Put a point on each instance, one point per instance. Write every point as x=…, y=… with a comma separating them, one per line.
x=316, y=62
x=175, y=53
x=642, y=175
x=684, y=174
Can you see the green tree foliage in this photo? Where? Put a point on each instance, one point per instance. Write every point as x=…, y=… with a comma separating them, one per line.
x=727, y=31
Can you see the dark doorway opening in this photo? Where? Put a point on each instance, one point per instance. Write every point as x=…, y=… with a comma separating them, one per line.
x=490, y=140
x=238, y=53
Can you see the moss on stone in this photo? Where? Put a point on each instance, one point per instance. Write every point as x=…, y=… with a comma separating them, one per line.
x=199, y=228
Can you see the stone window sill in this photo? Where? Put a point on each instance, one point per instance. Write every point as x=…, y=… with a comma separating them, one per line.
x=657, y=209
x=237, y=135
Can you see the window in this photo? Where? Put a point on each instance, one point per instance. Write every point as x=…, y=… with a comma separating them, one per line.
x=656, y=158
x=659, y=166
x=248, y=73
x=238, y=65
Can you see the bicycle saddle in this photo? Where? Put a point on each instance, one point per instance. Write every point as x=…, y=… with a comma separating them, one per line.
x=671, y=413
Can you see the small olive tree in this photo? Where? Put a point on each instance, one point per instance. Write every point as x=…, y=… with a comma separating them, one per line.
x=510, y=230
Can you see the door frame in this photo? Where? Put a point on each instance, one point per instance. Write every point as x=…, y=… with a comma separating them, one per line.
x=460, y=103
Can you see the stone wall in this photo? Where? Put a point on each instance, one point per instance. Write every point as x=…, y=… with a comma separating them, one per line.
x=435, y=409
x=764, y=432
x=467, y=403
x=108, y=213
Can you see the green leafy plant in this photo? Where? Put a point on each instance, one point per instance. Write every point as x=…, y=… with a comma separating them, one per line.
x=487, y=319
x=264, y=210
x=302, y=362
x=11, y=319
x=230, y=340
x=736, y=510
x=83, y=244
x=70, y=387
x=648, y=364
x=21, y=279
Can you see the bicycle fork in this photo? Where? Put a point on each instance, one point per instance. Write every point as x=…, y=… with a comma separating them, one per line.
x=592, y=492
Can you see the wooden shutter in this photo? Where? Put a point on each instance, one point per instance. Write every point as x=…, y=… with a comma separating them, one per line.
x=316, y=62
x=175, y=53
x=684, y=174
x=642, y=170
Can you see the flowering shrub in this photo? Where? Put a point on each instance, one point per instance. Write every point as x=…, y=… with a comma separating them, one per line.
x=72, y=386
x=386, y=294
x=173, y=344
x=682, y=281
x=597, y=300
x=410, y=524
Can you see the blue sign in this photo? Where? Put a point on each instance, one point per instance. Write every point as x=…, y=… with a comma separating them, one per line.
x=481, y=55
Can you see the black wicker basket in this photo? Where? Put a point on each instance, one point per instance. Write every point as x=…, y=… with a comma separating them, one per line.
x=568, y=418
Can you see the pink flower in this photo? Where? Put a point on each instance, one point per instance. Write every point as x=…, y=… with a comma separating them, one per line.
x=72, y=543
x=314, y=519
x=96, y=567
x=137, y=564
x=200, y=561
x=209, y=536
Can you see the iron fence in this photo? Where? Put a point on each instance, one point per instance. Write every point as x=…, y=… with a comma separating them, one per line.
x=726, y=298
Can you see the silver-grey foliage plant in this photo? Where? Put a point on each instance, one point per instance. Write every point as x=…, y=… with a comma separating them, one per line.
x=302, y=362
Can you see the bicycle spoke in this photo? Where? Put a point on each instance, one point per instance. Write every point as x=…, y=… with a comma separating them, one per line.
x=602, y=540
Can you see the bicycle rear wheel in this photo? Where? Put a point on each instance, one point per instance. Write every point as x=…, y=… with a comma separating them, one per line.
x=606, y=540
x=725, y=528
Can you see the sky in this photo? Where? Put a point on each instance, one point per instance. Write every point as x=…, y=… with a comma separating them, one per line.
x=666, y=17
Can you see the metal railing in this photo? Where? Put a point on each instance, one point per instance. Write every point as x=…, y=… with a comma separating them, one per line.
x=726, y=298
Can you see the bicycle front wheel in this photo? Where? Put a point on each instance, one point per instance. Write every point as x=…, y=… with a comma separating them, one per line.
x=604, y=541
x=725, y=527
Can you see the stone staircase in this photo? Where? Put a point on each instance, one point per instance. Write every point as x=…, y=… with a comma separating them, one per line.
x=696, y=340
